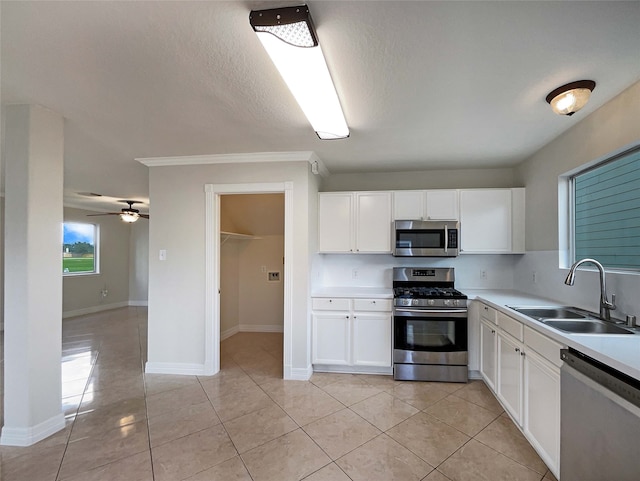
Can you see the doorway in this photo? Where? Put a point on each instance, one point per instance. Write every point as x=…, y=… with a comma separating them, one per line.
x=213, y=241
x=251, y=281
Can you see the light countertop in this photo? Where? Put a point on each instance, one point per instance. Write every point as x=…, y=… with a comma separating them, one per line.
x=620, y=351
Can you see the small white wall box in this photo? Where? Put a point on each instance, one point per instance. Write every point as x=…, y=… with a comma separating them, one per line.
x=274, y=276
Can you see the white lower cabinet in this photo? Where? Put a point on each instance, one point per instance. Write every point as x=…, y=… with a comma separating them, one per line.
x=371, y=339
x=542, y=408
x=354, y=334
x=331, y=338
x=509, y=385
x=488, y=354
x=522, y=368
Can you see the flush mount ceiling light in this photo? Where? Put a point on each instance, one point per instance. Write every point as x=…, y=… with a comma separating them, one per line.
x=570, y=98
x=290, y=39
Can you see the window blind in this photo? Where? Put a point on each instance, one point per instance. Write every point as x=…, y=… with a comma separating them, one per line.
x=607, y=212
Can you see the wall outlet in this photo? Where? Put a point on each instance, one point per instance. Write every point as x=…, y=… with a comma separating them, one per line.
x=354, y=273
x=162, y=255
x=263, y=268
x=104, y=292
x=274, y=276
x=534, y=277
x=483, y=274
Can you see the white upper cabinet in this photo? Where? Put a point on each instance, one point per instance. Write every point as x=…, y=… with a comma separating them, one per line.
x=335, y=222
x=425, y=205
x=358, y=222
x=492, y=221
x=442, y=205
x=408, y=205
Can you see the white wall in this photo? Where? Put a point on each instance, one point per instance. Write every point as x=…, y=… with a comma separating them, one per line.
x=176, y=286
x=426, y=179
x=261, y=302
x=230, y=287
x=613, y=126
x=84, y=293
x=139, y=262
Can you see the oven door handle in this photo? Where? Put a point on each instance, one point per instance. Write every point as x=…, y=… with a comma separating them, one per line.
x=432, y=312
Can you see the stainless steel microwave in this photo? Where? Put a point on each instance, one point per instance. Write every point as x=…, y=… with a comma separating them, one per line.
x=425, y=238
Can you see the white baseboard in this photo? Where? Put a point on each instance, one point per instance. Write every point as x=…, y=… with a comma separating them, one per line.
x=261, y=328
x=298, y=373
x=30, y=435
x=229, y=332
x=103, y=307
x=94, y=309
x=186, y=369
x=139, y=303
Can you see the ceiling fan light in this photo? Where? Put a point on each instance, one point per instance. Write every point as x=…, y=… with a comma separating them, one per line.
x=570, y=98
x=288, y=36
x=129, y=216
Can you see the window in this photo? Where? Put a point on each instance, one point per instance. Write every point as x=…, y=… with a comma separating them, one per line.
x=606, y=212
x=79, y=249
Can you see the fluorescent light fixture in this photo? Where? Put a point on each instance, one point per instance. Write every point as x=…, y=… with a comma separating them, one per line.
x=570, y=98
x=289, y=38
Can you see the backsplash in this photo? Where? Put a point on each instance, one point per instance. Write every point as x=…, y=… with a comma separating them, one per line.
x=362, y=270
x=506, y=271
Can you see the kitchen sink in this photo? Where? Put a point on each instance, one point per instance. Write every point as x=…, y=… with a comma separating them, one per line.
x=560, y=312
x=571, y=319
x=585, y=326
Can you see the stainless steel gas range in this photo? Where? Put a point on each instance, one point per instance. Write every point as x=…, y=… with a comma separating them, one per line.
x=429, y=326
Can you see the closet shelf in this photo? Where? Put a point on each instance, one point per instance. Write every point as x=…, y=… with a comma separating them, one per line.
x=225, y=236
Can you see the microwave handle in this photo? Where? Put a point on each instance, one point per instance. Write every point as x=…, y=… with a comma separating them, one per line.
x=446, y=239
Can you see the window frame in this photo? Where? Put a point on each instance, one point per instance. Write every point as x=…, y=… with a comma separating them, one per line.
x=96, y=250
x=567, y=221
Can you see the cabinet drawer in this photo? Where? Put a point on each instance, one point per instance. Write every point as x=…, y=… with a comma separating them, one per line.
x=330, y=304
x=510, y=326
x=547, y=348
x=488, y=313
x=372, y=305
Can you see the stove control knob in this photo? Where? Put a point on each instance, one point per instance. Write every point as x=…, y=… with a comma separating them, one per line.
x=456, y=302
x=447, y=302
x=431, y=302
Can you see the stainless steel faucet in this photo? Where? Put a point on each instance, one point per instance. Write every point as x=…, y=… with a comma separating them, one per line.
x=605, y=306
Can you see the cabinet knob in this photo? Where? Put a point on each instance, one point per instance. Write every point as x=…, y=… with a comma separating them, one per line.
x=517, y=349
x=492, y=331
x=330, y=300
x=522, y=353
x=373, y=302
x=347, y=317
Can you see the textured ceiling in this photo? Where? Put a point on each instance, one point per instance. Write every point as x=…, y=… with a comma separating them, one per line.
x=424, y=85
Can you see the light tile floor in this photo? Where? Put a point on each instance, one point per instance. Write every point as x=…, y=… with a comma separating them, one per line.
x=246, y=423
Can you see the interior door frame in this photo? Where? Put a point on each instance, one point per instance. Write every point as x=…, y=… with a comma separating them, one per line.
x=212, y=267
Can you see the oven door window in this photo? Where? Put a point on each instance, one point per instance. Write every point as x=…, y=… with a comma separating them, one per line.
x=420, y=239
x=424, y=334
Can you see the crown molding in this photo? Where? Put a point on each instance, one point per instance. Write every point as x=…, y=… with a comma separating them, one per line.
x=298, y=156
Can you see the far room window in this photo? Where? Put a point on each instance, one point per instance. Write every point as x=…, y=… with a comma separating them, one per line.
x=606, y=212
x=79, y=249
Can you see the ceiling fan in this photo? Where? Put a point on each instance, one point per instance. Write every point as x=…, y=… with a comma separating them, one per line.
x=128, y=214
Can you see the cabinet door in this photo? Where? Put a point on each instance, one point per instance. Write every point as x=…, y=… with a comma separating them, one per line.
x=331, y=338
x=488, y=353
x=335, y=220
x=373, y=222
x=442, y=205
x=542, y=408
x=485, y=221
x=408, y=205
x=510, y=375
x=372, y=339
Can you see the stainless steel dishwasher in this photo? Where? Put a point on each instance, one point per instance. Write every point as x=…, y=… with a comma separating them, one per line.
x=599, y=421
